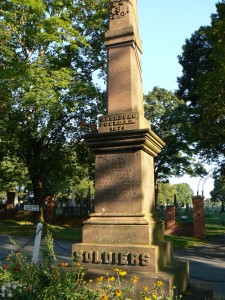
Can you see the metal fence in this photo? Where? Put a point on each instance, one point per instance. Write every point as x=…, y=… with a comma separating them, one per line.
x=182, y=215
x=76, y=210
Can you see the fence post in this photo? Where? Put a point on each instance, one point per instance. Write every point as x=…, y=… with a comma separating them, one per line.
x=198, y=217
x=170, y=216
x=37, y=243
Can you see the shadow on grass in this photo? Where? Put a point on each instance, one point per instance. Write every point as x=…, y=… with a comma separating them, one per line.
x=65, y=232
x=181, y=242
x=19, y=228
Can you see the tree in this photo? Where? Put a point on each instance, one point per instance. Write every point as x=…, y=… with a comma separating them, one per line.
x=167, y=192
x=218, y=192
x=166, y=112
x=49, y=52
x=202, y=87
x=183, y=193
x=13, y=175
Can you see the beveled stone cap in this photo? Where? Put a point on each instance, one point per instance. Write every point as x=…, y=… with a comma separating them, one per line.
x=132, y=140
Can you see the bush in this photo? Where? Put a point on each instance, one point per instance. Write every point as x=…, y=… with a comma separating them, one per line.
x=50, y=280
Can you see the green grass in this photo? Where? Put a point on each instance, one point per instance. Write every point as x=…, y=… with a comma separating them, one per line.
x=181, y=242
x=213, y=228
x=11, y=227
x=20, y=228
x=215, y=225
x=65, y=232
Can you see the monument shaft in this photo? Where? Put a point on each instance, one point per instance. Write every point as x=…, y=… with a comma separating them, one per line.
x=124, y=59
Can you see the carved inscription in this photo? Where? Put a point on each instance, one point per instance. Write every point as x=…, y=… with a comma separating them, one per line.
x=118, y=122
x=114, y=258
x=118, y=9
x=119, y=189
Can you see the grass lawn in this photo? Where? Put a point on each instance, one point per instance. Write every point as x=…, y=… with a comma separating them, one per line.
x=21, y=228
x=214, y=227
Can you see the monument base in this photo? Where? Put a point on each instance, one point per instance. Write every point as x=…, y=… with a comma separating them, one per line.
x=123, y=233
x=150, y=263
x=134, y=244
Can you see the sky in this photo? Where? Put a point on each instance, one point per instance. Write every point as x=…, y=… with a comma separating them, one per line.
x=164, y=26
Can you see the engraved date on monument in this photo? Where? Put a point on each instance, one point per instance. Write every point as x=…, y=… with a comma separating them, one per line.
x=118, y=122
x=114, y=258
x=118, y=9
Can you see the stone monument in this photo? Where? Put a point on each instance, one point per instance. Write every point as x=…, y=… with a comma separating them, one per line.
x=123, y=232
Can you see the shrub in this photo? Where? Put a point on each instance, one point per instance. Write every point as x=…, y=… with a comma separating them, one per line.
x=20, y=279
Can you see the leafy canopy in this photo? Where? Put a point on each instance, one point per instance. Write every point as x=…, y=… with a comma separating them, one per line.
x=202, y=86
x=49, y=53
x=167, y=192
x=166, y=112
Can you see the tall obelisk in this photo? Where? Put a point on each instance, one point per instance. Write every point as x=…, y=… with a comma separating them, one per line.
x=123, y=232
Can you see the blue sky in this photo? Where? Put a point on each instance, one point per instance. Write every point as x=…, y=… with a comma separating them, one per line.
x=164, y=25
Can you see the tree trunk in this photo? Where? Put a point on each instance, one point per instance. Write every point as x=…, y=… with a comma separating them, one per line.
x=38, y=200
x=222, y=207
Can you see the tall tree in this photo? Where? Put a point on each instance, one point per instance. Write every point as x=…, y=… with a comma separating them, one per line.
x=218, y=192
x=49, y=52
x=13, y=175
x=183, y=193
x=166, y=112
x=167, y=192
x=202, y=86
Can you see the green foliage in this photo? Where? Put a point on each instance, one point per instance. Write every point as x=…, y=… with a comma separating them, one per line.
x=166, y=112
x=167, y=191
x=202, y=87
x=49, y=52
x=218, y=192
x=13, y=174
x=24, y=280
x=183, y=193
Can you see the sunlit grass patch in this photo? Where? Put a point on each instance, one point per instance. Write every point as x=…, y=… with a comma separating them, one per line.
x=22, y=228
x=181, y=242
x=65, y=232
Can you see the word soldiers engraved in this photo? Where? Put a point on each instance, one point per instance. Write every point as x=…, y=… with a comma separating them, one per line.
x=123, y=231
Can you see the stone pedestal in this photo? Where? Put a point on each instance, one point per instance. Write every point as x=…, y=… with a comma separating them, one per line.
x=123, y=232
